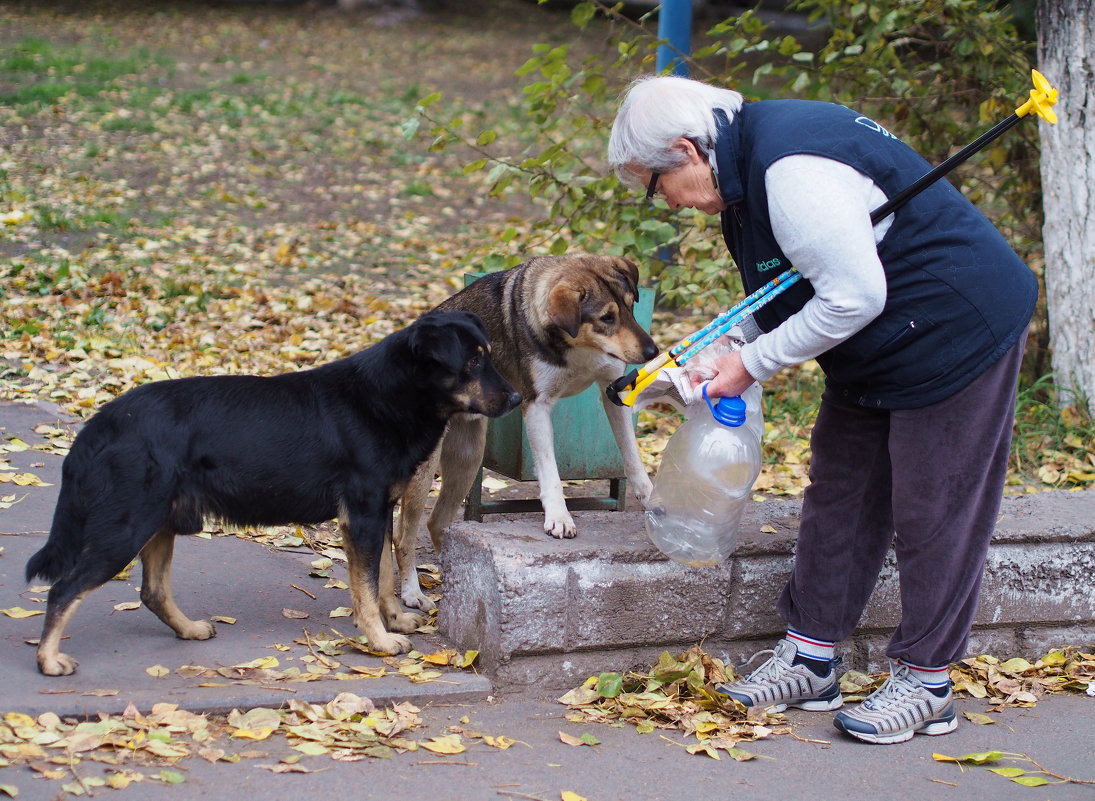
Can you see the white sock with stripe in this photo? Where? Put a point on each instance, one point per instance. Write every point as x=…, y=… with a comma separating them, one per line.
x=812, y=647
x=936, y=679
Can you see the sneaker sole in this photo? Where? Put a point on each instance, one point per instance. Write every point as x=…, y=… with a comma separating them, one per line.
x=811, y=705
x=816, y=705
x=932, y=728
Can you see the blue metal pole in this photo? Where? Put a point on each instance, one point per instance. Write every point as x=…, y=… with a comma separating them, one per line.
x=675, y=29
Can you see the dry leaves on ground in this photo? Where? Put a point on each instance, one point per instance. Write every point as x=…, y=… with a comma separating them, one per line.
x=678, y=693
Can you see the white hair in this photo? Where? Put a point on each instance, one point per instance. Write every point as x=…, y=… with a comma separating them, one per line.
x=656, y=111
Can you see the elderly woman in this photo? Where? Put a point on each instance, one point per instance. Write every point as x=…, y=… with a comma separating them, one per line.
x=918, y=323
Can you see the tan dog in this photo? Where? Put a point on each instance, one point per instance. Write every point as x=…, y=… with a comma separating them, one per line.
x=557, y=324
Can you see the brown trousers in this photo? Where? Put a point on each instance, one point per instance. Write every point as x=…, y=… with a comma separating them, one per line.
x=928, y=481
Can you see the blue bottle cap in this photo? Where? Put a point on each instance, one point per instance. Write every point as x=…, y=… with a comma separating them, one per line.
x=728, y=411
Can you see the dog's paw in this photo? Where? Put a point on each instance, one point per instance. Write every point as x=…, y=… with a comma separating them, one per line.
x=404, y=622
x=388, y=643
x=561, y=527
x=197, y=630
x=57, y=665
x=642, y=491
x=416, y=599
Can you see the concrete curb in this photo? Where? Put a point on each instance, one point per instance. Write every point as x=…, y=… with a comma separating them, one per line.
x=550, y=612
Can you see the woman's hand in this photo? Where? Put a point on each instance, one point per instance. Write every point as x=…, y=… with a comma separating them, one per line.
x=732, y=377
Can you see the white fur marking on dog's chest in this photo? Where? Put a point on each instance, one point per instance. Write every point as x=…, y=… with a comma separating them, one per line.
x=584, y=366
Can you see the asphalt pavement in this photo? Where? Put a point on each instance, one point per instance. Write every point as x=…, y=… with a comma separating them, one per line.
x=249, y=585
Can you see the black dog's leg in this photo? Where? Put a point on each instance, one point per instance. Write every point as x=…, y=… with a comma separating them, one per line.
x=364, y=537
x=156, y=588
x=64, y=597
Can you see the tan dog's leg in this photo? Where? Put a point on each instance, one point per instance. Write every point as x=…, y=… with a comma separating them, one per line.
x=392, y=613
x=367, y=614
x=541, y=438
x=411, y=506
x=623, y=429
x=156, y=588
x=461, y=456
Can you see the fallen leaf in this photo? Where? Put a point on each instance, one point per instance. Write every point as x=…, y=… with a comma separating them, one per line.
x=584, y=739
x=126, y=606
x=157, y=671
x=294, y=614
x=231, y=621
x=978, y=718
x=446, y=744
x=19, y=612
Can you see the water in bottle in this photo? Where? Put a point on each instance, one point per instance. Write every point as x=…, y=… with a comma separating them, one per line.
x=703, y=484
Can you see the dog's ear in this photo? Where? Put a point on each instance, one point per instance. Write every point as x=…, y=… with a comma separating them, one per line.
x=564, y=308
x=629, y=271
x=436, y=340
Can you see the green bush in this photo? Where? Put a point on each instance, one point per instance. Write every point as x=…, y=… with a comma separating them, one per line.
x=935, y=72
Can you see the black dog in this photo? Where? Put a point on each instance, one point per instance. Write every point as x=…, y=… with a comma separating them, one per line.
x=340, y=440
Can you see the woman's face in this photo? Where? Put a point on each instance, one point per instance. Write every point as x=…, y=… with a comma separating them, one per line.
x=691, y=185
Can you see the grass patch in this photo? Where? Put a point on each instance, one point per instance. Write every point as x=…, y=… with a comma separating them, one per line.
x=43, y=72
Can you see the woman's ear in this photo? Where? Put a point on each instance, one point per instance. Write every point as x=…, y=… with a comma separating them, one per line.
x=688, y=147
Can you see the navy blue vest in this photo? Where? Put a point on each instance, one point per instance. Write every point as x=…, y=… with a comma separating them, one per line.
x=958, y=297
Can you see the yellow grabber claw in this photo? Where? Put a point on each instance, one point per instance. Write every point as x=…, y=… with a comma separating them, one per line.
x=1042, y=97
x=637, y=380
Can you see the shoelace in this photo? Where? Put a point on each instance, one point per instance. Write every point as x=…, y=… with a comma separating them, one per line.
x=765, y=670
x=896, y=689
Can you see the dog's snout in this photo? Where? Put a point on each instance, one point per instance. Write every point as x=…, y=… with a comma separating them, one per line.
x=650, y=350
x=513, y=401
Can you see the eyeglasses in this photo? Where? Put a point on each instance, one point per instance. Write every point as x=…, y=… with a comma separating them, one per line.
x=652, y=185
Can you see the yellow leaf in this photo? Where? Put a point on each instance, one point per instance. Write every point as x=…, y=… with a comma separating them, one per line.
x=252, y=734
x=223, y=619
x=19, y=612
x=16, y=719
x=567, y=795
x=978, y=718
x=262, y=663
x=157, y=671
x=502, y=742
x=342, y=611
x=127, y=606
x=443, y=658
x=23, y=480
x=447, y=744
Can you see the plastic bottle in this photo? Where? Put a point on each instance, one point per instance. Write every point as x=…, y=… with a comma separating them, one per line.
x=703, y=484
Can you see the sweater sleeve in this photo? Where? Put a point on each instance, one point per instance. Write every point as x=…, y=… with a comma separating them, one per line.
x=821, y=217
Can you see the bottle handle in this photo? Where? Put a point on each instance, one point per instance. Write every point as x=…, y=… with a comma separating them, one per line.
x=733, y=414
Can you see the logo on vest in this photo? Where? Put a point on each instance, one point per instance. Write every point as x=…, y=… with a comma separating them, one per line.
x=867, y=122
x=771, y=264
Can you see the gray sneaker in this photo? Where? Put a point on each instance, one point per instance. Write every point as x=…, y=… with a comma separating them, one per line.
x=897, y=710
x=778, y=684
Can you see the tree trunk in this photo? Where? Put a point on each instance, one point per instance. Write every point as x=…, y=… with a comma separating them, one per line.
x=1066, y=56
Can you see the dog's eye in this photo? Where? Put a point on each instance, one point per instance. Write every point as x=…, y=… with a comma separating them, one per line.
x=474, y=362
x=608, y=318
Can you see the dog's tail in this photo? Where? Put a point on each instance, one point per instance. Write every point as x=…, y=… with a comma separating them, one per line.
x=65, y=542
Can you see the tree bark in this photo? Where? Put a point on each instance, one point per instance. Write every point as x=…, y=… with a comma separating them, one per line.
x=1066, y=56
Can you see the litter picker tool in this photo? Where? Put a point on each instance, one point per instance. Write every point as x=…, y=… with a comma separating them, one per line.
x=625, y=390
